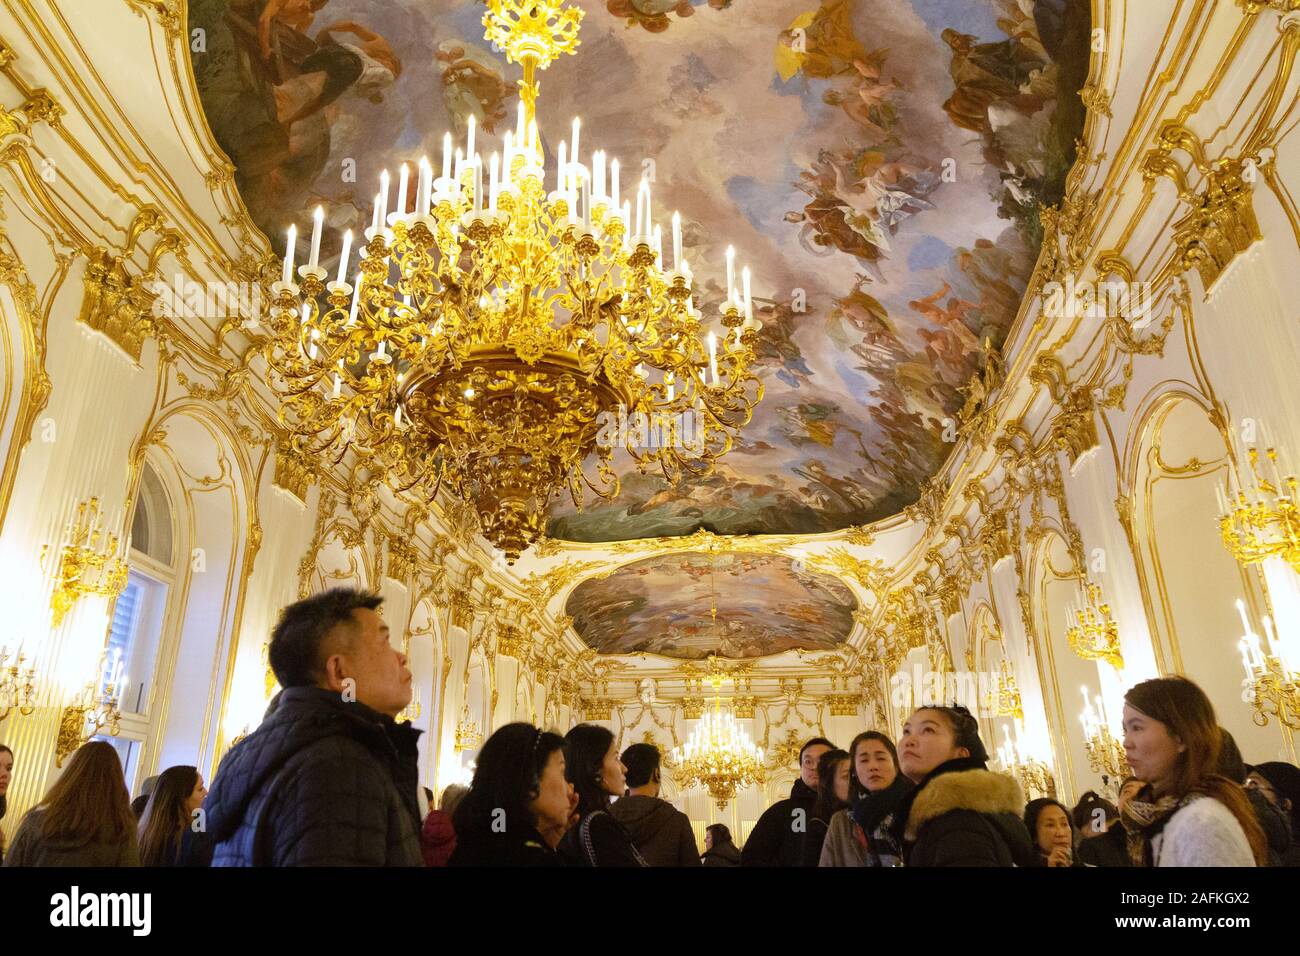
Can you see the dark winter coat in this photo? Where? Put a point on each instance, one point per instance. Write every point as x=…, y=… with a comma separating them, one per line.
x=32, y=848
x=322, y=782
x=661, y=833
x=1276, y=827
x=722, y=854
x=776, y=840
x=1107, y=849
x=437, y=838
x=514, y=847
x=964, y=815
x=599, y=840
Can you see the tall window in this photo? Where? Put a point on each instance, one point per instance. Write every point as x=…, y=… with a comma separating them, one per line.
x=139, y=616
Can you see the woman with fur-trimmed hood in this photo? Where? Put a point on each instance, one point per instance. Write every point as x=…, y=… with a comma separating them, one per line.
x=961, y=813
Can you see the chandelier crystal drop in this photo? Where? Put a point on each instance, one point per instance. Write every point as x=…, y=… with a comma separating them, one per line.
x=508, y=318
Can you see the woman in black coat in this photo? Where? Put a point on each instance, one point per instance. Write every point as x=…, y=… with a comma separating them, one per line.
x=519, y=803
x=597, y=774
x=960, y=814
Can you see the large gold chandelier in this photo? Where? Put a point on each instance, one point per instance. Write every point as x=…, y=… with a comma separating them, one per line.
x=508, y=321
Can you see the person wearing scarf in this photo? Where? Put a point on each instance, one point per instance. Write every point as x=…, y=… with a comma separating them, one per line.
x=860, y=835
x=1185, y=814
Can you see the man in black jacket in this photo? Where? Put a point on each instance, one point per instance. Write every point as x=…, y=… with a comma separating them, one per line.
x=777, y=837
x=329, y=778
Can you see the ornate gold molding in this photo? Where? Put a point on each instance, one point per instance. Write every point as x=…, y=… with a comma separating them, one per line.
x=293, y=472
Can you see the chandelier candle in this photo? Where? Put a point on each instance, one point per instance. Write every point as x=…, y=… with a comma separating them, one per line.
x=491, y=332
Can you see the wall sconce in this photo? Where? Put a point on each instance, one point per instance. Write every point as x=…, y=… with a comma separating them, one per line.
x=94, y=710
x=89, y=562
x=17, y=685
x=1094, y=635
x=1263, y=521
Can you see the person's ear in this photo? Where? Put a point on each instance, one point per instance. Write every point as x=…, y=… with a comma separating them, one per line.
x=334, y=672
x=963, y=752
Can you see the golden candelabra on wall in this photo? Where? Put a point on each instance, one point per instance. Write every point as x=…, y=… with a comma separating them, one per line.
x=17, y=685
x=1105, y=753
x=468, y=734
x=89, y=562
x=94, y=710
x=1094, y=635
x=1007, y=701
x=1034, y=775
x=1263, y=522
x=412, y=711
x=1272, y=688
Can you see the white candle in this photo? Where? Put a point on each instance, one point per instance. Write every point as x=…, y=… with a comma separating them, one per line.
x=613, y=185
x=377, y=215
x=586, y=203
x=290, y=247
x=1245, y=622
x=446, y=155
x=318, y=222
x=577, y=126
x=713, y=356
x=519, y=123
x=669, y=385
x=731, y=275
x=1273, y=649
x=424, y=188
x=1245, y=658
x=494, y=168
x=344, y=255
x=338, y=383
x=356, y=298
x=383, y=198
x=677, y=241
x=598, y=175
x=469, y=137
x=403, y=179
x=478, y=184
x=460, y=167
x=657, y=243
x=642, y=208
x=532, y=140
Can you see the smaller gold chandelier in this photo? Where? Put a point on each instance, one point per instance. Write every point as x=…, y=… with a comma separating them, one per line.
x=1034, y=775
x=1094, y=636
x=94, y=710
x=412, y=711
x=468, y=734
x=1105, y=754
x=719, y=756
x=89, y=562
x=1007, y=701
x=1272, y=688
x=17, y=686
x=1265, y=522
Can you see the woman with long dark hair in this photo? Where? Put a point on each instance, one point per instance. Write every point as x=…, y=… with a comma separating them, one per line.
x=168, y=836
x=85, y=818
x=861, y=835
x=6, y=774
x=519, y=803
x=961, y=813
x=598, y=775
x=833, y=772
x=1186, y=814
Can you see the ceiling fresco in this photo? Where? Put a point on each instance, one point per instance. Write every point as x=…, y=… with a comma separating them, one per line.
x=662, y=605
x=879, y=164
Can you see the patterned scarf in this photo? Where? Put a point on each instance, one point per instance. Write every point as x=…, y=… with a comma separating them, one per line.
x=1144, y=817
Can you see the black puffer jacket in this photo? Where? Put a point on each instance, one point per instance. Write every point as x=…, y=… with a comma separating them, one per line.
x=964, y=815
x=777, y=837
x=321, y=782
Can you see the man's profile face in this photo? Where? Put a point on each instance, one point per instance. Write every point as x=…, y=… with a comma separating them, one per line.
x=382, y=679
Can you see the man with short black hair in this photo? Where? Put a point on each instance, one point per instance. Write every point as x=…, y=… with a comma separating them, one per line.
x=777, y=837
x=329, y=778
x=661, y=833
